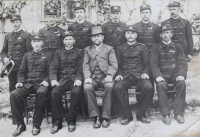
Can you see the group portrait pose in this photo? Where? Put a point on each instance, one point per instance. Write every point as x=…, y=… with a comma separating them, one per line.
x=86, y=57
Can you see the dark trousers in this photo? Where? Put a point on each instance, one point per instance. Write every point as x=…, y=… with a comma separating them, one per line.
x=17, y=103
x=89, y=90
x=12, y=77
x=180, y=89
x=56, y=103
x=120, y=93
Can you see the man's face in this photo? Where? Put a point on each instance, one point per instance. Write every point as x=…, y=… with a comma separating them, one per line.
x=174, y=11
x=115, y=16
x=166, y=35
x=37, y=44
x=97, y=39
x=69, y=41
x=51, y=19
x=80, y=14
x=145, y=15
x=16, y=24
x=130, y=36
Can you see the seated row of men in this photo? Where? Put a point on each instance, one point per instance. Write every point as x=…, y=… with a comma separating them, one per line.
x=98, y=65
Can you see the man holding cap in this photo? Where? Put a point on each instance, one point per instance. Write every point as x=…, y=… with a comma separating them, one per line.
x=16, y=44
x=114, y=28
x=169, y=65
x=134, y=69
x=99, y=68
x=52, y=33
x=81, y=28
x=32, y=78
x=182, y=31
x=66, y=74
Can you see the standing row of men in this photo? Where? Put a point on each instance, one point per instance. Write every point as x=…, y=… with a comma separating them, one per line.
x=113, y=52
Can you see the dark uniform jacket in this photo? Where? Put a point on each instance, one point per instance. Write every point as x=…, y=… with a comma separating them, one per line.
x=16, y=44
x=35, y=67
x=182, y=33
x=168, y=61
x=52, y=38
x=133, y=60
x=81, y=32
x=148, y=34
x=114, y=33
x=66, y=65
x=105, y=59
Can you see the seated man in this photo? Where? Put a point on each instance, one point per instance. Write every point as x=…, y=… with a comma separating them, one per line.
x=32, y=78
x=65, y=74
x=134, y=69
x=99, y=68
x=169, y=65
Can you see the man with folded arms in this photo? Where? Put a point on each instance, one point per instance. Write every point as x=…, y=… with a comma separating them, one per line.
x=169, y=65
x=65, y=74
x=134, y=69
x=32, y=78
x=99, y=68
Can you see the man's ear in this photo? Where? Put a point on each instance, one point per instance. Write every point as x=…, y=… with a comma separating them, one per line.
x=103, y=36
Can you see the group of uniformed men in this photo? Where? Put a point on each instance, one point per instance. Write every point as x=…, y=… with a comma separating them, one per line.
x=113, y=56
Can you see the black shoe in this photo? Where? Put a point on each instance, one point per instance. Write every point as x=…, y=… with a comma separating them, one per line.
x=143, y=119
x=19, y=130
x=97, y=122
x=105, y=123
x=55, y=129
x=35, y=130
x=71, y=127
x=166, y=120
x=126, y=120
x=180, y=119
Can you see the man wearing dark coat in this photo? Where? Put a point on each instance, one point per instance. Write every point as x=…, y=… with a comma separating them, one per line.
x=169, y=65
x=182, y=31
x=65, y=74
x=134, y=69
x=16, y=44
x=32, y=78
x=99, y=68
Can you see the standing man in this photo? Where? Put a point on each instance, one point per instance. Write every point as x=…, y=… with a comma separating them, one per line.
x=114, y=28
x=148, y=32
x=32, y=78
x=169, y=65
x=52, y=34
x=66, y=74
x=134, y=69
x=81, y=28
x=182, y=31
x=16, y=44
x=99, y=68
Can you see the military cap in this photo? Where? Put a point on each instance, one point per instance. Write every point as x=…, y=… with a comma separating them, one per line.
x=79, y=6
x=68, y=33
x=36, y=36
x=96, y=30
x=52, y=12
x=131, y=28
x=174, y=4
x=115, y=9
x=145, y=7
x=165, y=27
x=15, y=17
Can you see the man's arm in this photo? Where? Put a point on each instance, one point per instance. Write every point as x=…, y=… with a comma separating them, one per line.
x=4, y=51
x=146, y=60
x=189, y=38
x=79, y=75
x=154, y=63
x=119, y=60
x=22, y=72
x=86, y=64
x=157, y=34
x=49, y=58
x=54, y=67
x=28, y=43
x=112, y=63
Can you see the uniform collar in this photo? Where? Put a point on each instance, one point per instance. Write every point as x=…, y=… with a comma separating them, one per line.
x=39, y=52
x=115, y=23
x=20, y=28
x=143, y=23
x=135, y=44
x=52, y=27
x=81, y=24
x=175, y=19
x=20, y=31
x=164, y=44
x=68, y=51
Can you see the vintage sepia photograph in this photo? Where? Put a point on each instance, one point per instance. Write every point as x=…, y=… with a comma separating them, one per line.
x=95, y=68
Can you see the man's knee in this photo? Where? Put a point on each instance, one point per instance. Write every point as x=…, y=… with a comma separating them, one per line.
x=181, y=84
x=161, y=85
x=88, y=87
x=108, y=85
x=55, y=92
x=42, y=90
x=76, y=90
